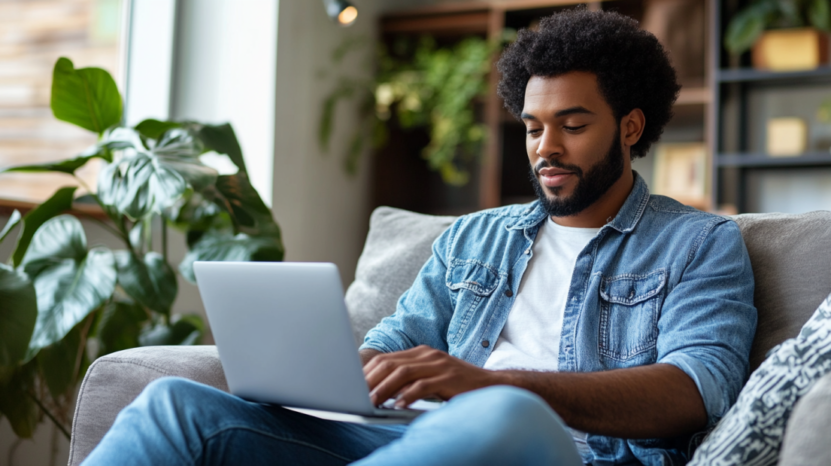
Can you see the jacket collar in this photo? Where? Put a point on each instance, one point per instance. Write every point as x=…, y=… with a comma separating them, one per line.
x=625, y=221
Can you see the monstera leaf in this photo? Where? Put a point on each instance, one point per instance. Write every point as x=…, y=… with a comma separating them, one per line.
x=119, y=327
x=186, y=330
x=149, y=180
x=65, y=166
x=217, y=246
x=150, y=281
x=87, y=97
x=220, y=139
x=59, y=202
x=154, y=129
x=17, y=314
x=59, y=363
x=13, y=221
x=16, y=401
x=70, y=281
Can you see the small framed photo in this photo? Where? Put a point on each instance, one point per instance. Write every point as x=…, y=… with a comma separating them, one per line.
x=681, y=173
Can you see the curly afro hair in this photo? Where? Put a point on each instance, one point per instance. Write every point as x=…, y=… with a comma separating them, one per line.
x=632, y=68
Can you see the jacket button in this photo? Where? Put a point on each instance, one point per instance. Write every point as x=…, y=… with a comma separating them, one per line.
x=485, y=343
x=509, y=293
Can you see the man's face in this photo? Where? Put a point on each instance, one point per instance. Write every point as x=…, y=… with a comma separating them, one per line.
x=573, y=142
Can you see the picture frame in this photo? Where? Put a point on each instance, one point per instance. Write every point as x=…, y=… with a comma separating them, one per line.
x=681, y=173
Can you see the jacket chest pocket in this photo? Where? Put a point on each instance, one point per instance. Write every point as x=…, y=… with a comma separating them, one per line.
x=470, y=283
x=629, y=309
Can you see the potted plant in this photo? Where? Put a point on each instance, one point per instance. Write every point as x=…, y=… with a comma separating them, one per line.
x=64, y=302
x=783, y=34
x=424, y=85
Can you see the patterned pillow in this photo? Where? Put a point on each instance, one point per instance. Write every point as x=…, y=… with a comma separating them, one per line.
x=752, y=430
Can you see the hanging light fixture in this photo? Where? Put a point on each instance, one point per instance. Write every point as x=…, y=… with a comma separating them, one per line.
x=341, y=11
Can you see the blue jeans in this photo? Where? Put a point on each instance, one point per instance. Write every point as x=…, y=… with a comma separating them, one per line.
x=177, y=421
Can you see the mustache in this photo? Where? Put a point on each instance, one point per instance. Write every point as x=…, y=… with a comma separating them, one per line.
x=545, y=163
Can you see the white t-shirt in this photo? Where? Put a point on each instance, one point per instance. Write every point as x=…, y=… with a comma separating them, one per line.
x=530, y=339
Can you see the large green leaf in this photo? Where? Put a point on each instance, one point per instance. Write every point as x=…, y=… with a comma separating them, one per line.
x=59, y=202
x=151, y=281
x=86, y=97
x=220, y=139
x=70, y=281
x=180, y=150
x=214, y=246
x=154, y=129
x=138, y=186
x=16, y=402
x=60, y=362
x=18, y=314
x=13, y=221
x=119, y=327
x=149, y=180
x=185, y=330
x=241, y=200
x=69, y=166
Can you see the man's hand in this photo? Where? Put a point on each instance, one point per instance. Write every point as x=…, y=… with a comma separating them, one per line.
x=422, y=372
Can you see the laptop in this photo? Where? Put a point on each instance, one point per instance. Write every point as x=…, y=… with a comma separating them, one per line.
x=284, y=337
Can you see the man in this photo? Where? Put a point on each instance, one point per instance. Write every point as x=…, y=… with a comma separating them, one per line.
x=630, y=316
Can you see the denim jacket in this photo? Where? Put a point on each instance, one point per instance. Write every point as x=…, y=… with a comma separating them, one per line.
x=660, y=283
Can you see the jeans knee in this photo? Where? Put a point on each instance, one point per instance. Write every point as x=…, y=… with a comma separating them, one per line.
x=508, y=403
x=172, y=389
x=169, y=397
x=516, y=423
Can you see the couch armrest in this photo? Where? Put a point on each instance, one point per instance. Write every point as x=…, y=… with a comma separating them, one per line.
x=114, y=381
x=806, y=435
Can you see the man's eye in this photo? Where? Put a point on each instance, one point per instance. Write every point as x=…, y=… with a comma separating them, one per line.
x=573, y=128
x=534, y=131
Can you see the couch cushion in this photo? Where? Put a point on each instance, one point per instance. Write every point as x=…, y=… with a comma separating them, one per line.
x=791, y=259
x=806, y=436
x=115, y=380
x=397, y=246
x=752, y=430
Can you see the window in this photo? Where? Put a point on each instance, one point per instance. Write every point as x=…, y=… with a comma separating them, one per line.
x=33, y=35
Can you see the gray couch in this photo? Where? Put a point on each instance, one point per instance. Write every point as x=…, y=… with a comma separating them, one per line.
x=791, y=257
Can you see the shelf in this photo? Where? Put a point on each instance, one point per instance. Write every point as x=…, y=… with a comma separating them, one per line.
x=762, y=160
x=753, y=75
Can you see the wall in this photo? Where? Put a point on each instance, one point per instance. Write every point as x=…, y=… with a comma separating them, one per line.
x=322, y=210
x=222, y=73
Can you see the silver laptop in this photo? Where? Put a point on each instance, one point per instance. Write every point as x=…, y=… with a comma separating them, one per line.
x=284, y=338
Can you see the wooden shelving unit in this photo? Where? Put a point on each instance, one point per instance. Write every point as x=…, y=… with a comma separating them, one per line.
x=501, y=176
x=738, y=125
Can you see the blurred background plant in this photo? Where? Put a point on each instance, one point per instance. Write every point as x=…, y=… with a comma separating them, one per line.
x=421, y=84
x=64, y=302
x=748, y=24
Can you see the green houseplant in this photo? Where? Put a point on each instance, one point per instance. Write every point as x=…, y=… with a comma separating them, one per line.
x=422, y=85
x=747, y=26
x=64, y=303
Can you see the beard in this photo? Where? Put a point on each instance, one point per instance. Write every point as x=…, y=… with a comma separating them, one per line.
x=591, y=186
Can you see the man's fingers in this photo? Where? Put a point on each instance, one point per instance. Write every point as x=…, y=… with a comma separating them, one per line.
x=399, y=356
x=422, y=388
x=395, y=380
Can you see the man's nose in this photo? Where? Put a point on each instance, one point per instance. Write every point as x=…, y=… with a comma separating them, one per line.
x=551, y=144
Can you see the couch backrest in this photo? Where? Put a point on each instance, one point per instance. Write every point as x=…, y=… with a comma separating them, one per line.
x=397, y=246
x=791, y=259
x=790, y=254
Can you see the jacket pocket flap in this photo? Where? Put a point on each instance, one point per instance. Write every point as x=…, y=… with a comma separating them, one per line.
x=472, y=275
x=630, y=289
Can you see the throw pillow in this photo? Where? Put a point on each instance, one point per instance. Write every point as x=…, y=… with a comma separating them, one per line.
x=397, y=246
x=752, y=430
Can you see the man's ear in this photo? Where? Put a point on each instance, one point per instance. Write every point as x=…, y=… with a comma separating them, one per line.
x=631, y=127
